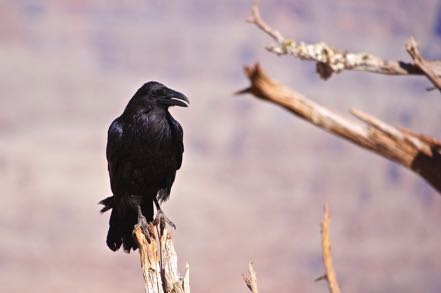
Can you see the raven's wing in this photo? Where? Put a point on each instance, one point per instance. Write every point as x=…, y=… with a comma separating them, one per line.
x=164, y=192
x=114, y=150
x=180, y=144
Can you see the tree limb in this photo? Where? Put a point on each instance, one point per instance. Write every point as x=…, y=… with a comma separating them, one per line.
x=419, y=153
x=418, y=60
x=159, y=262
x=326, y=254
x=251, y=279
x=329, y=60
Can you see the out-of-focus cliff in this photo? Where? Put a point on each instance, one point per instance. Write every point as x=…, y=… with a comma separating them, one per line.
x=253, y=175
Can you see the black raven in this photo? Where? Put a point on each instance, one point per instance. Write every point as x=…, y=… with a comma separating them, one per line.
x=144, y=150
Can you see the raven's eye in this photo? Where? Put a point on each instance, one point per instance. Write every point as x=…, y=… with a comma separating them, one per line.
x=156, y=92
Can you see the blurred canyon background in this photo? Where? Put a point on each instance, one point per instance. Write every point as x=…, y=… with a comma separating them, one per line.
x=254, y=177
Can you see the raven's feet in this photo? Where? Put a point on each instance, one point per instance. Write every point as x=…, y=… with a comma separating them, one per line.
x=142, y=222
x=161, y=219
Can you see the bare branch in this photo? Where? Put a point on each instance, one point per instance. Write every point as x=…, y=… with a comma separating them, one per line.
x=159, y=262
x=418, y=60
x=251, y=279
x=416, y=152
x=326, y=254
x=257, y=20
x=329, y=60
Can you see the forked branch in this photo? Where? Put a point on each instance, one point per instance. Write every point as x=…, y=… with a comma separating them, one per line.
x=418, y=60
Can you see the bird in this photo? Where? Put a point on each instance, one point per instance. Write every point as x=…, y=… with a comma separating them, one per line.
x=144, y=151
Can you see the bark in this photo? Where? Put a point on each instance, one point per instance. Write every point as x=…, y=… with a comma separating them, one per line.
x=159, y=262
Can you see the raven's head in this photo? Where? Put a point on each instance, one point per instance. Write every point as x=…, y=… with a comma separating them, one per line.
x=156, y=94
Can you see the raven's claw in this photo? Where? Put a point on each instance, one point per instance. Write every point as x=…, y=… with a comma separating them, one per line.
x=161, y=219
x=142, y=222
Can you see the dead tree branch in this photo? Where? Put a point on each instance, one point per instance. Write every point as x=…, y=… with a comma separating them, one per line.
x=159, y=262
x=329, y=60
x=326, y=254
x=419, y=153
x=251, y=279
x=418, y=60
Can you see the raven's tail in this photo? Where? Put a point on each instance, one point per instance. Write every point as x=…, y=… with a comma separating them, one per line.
x=123, y=218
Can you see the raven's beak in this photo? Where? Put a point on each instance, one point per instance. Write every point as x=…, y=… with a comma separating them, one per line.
x=174, y=98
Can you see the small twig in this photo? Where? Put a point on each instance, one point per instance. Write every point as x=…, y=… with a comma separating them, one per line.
x=251, y=279
x=329, y=60
x=257, y=20
x=418, y=60
x=186, y=280
x=326, y=254
x=322, y=277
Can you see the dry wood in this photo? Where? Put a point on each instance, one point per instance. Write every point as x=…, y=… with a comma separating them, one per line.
x=329, y=60
x=159, y=262
x=419, y=153
x=251, y=279
x=418, y=60
x=326, y=254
